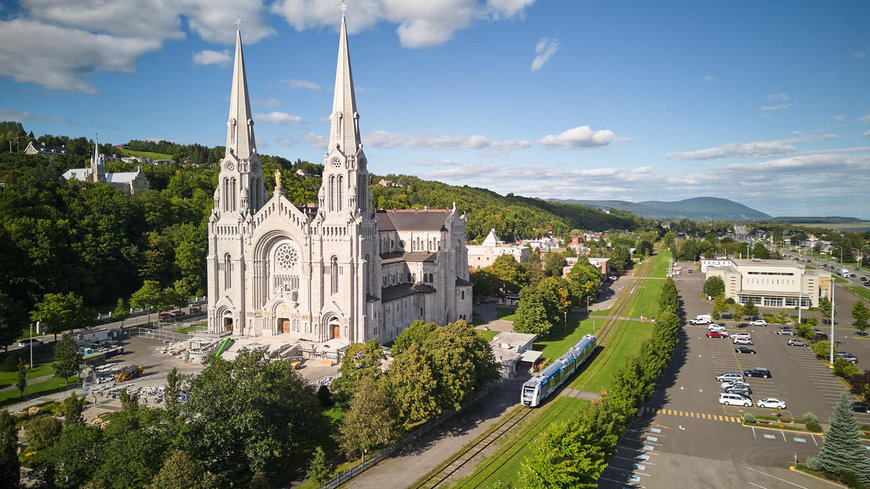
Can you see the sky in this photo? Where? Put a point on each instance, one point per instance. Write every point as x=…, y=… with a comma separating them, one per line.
x=764, y=103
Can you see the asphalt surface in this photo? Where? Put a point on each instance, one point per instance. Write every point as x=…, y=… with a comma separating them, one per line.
x=685, y=438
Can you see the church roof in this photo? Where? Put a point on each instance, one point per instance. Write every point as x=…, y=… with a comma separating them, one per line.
x=121, y=177
x=411, y=257
x=344, y=130
x=240, y=130
x=83, y=174
x=491, y=238
x=404, y=290
x=412, y=220
x=461, y=282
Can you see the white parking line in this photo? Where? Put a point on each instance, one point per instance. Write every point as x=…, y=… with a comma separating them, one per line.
x=756, y=485
x=777, y=478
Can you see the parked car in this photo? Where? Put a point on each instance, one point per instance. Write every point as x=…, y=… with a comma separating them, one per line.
x=726, y=386
x=785, y=331
x=729, y=377
x=770, y=402
x=820, y=335
x=796, y=342
x=612, y=278
x=716, y=327
x=195, y=310
x=699, y=321
x=863, y=279
x=758, y=322
x=27, y=342
x=716, y=334
x=847, y=356
x=743, y=349
x=742, y=341
x=757, y=372
x=730, y=399
x=740, y=390
x=861, y=407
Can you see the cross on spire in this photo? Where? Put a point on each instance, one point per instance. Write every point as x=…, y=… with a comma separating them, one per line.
x=238, y=23
x=343, y=7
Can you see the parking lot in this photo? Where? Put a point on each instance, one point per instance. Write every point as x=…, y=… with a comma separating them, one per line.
x=684, y=436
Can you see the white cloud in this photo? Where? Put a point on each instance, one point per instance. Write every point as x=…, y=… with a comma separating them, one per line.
x=67, y=43
x=421, y=23
x=710, y=77
x=866, y=118
x=778, y=96
x=840, y=117
x=867, y=134
x=384, y=139
x=754, y=149
x=17, y=116
x=300, y=84
x=210, y=57
x=858, y=55
x=316, y=140
x=266, y=102
x=277, y=118
x=771, y=108
x=544, y=50
x=578, y=137
x=286, y=142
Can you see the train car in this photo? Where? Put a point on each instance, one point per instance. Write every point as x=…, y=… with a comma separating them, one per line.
x=539, y=387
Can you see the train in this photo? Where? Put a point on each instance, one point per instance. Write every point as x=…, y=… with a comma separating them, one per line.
x=539, y=387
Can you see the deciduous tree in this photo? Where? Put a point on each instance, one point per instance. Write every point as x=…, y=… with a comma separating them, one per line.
x=73, y=406
x=62, y=312
x=9, y=465
x=370, y=421
x=861, y=314
x=360, y=360
x=67, y=358
x=413, y=386
x=21, y=382
x=714, y=286
x=180, y=471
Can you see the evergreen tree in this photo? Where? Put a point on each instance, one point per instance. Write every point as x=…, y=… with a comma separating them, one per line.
x=842, y=448
x=9, y=465
x=318, y=470
x=67, y=359
x=750, y=309
x=21, y=382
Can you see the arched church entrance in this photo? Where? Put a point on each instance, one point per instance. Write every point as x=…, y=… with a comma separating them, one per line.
x=228, y=324
x=334, y=329
x=283, y=325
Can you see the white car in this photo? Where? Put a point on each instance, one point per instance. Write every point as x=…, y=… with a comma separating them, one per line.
x=729, y=377
x=27, y=342
x=699, y=321
x=735, y=384
x=742, y=341
x=758, y=322
x=612, y=278
x=770, y=402
x=730, y=399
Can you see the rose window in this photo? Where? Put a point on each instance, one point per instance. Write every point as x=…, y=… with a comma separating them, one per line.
x=286, y=257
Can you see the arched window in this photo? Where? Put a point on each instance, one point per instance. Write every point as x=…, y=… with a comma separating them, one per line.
x=334, y=275
x=228, y=271
x=331, y=192
x=226, y=198
x=233, y=191
x=340, y=195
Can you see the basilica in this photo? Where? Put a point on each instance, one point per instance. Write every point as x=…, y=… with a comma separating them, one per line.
x=342, y=271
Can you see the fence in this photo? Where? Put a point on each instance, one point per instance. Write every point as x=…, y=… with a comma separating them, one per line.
x=161, y=334
x=356, y=470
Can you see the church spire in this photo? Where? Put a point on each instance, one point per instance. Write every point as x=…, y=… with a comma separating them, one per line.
x=240, y=125
x=345, y=119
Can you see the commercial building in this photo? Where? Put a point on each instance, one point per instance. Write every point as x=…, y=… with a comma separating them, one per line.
x=485, y=254
x=772, y=283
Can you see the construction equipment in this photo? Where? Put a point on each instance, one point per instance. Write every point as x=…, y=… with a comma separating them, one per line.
x=128, y=373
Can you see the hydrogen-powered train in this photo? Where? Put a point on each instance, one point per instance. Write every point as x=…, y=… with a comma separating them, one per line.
x=542, y=385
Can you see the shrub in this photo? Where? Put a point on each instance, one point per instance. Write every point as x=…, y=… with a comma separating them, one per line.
x=813, y=464
x=845, y=368
x=10, y=363
x=810, y=417
x=815, y=427
x=748, y=418
x=850, y=478
x=42, y=432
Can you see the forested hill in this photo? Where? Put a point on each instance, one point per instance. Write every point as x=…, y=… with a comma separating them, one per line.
x=698, y=209
x=511, y=216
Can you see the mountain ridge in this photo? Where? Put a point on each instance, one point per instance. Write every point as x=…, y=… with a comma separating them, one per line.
x=696, y=208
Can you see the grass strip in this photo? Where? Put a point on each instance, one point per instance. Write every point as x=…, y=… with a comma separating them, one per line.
x=12, y=396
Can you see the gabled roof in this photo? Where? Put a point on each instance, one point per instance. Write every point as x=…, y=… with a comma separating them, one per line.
x=491, y=238
x=412, y=219
x=121, y=177
x=404, y=290
x=82, y=174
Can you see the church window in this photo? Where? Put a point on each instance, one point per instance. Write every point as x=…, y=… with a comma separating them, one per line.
x=233, y=191
x=226, y=198
x=340, y=196
x=228, y=267
x=286, y=257
x=462, y=295
x=334, y=275
x=331, y=192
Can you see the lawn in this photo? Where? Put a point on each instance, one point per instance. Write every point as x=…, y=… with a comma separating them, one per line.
x=860, y=292
x=659, y=268
x=488, y=334
x=192, y=328
x=147, y=154
x=9, y=378
x=506, y=313
x=12, y=396
x=505, y=463
x=565, y=336
x=597, y=376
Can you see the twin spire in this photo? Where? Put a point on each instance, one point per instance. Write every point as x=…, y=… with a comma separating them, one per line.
x=344, y=132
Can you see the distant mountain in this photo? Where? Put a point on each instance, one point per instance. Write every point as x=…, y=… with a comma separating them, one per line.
x=817, y=220
x=698, y=209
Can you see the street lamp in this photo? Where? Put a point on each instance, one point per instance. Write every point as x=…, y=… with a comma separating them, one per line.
x=800, y=296
x=832, y=320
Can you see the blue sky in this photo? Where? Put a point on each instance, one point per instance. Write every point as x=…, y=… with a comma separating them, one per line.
x=765, y=103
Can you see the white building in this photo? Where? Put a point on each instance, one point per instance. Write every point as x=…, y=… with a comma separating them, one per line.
x=340, y=272
x=128, y=182
x=719, y=261
x=509, y=349
x=772, y=283
x=485, y=254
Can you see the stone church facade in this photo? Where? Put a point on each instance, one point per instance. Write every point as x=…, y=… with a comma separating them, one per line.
x=343, y=271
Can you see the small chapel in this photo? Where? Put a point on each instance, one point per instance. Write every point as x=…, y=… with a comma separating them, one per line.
x=343, y=272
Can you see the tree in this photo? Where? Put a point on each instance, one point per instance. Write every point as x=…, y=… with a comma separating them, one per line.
x=61, y=312
x=531, y=316
x=121, y=311
x=129, y=400
x=760, y=251
x=149, y=296
x=822, y=349
x=175, y=383
x=719, y=305
x=417, y=333
x=180, y=471
x=750, y=309
x=861, y=384
x=319, y=470
x=620, y=259
x=21, y=382
x=370, y=420
x=534, y=268
x=714, y=286
x=42, y=432
x=67, y=358
x=584, y=278
x=512, y=276
x=844, y=368
x=280, y=418
x=645, y=248
x=842, y=448
x=861, y=314
x=462, y=361
x=485, y=282
x=738, y=313
x=9, y=465
x=72, y=459
x=72, y=409
x=360, y=360
x=554, y=263
x=413, y=386
x=259, y=481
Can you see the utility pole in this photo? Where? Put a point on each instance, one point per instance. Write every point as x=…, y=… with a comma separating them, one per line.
x=832, y=320
x=800, y=295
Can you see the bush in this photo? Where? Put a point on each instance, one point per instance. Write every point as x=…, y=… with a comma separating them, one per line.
x=10, y=363
x=815, y=427
x=810, y=417
x=748, y=418
x=845, y=368
x=850, y=478
x=42, y=432
x=813, y=464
